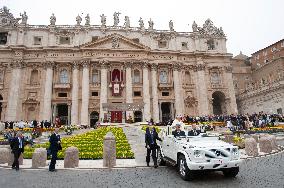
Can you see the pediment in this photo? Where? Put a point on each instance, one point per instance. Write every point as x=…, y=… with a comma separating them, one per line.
x=114, y=41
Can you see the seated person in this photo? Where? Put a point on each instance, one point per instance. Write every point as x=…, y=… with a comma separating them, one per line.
x=193, y=131
x=178, y=132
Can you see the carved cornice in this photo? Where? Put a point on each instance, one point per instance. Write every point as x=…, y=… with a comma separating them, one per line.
x=199, y=67
x=17, y=63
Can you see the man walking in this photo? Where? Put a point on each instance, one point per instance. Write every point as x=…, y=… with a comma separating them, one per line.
x=54, y=147
x=17, y=147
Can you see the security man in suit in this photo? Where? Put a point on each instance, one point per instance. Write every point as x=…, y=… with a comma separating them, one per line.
x=151, y=138
x=55, y=145
x=17, y=147
x=178, y=132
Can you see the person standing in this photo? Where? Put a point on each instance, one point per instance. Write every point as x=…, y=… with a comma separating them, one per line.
x=54, y=141
x=151, y=145
x=17, y=147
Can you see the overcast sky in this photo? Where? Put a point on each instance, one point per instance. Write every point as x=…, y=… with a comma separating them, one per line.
x=250, y=25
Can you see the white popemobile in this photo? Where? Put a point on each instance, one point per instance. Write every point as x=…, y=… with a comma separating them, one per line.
x=198, y=153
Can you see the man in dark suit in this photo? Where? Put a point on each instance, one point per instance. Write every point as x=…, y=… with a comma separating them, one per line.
x=178, y=132
x=54, y=147
x=151, y=145
x=17, y=147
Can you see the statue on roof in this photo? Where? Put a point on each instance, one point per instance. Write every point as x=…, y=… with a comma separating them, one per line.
x=116, y=18
x=127, y=22
x=151, y=25
x=141, y=23
x=103, y=20
x=78, y=20
x=87, y=19
x=171, y=25
x=7, y=18
x=194, y=27
x=24, y=18
x=52, y=19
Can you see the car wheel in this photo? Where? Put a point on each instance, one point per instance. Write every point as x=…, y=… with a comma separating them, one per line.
x=160, y=160
x=231, y=172
x=184, y=172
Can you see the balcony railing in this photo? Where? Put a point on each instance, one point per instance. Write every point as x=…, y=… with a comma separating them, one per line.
x=62, y=85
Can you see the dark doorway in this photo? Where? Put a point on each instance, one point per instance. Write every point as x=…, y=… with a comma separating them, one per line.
x=1, y=99
x=166, y=111
x=137, y=116
x=219, y=106
x=62, y=113
x=94, y=117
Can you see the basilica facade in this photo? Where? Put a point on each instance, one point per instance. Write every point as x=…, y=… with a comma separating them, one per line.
x=85, y=73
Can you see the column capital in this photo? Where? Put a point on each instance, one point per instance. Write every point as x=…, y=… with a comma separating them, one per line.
x=104, y=64
x=177, y=67
x=17, y=63
x=85, y=63
x=199, y=67
x=75, y=64
x=145, y=64
x=228, y=68
x=154, y=67
x=49, y=64
x=128, y=64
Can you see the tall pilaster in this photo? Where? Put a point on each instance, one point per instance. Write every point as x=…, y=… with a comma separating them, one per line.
x=146, y=93
x=202, y=91
x=155, y=101
x=85, y=93
x=178, y=90
x=48, y=91
x=104, y=88
x=75, y=91
x=128, y=83
x=232, y=103
x=13, y=97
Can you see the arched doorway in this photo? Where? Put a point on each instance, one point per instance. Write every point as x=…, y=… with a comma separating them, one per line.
x=94, y=117
x=218, y=104
x=137, y=116
x=1, y=99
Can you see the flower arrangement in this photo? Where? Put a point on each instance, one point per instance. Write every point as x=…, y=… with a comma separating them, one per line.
x=90, y=144
x=158, y=129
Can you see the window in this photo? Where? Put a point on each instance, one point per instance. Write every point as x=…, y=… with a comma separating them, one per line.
x=162, y=44
x=64, y=40
x=137, y=93
x=1, y=76
x=210, y=44
x=34, y=77
x=215, y=78
x=282, y=44
x=95, y=94
x=163, y=77
x=62, y=94
x=165, y=94
x=64, y=77
x=136, y=40
x=95, y=76
x=37, y=40
x=94, y=38
x=3, y=38
x=187, y=78
x=184, y=46
x=136, y=78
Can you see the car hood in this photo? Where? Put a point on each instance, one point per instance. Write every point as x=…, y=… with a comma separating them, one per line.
x=205, y=143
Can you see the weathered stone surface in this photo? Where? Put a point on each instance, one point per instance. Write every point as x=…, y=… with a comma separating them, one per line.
x=229, y=138
x=265, y=144
x=71, y=158
x=4, y=155
x=256, y=137
x=109, y=151
x=251, y=147
x=39, y=158
x=273, y=142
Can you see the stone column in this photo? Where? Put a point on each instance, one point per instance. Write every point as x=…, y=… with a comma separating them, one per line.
x=146, y=93
x=179, y=101
x=48, y=91
x=201, y=85
x=75, y=90
x=14, y=90
x=104, y=88
x=232, y=107
x=85, y=94
x=155, y=94
x=128, y=88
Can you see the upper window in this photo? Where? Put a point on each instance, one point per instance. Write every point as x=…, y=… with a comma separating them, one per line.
x=95, y=76
x=136, y=76
x=64, y=76
x=34, y=77
x=210, y=44
x=162, y=44
x=94, y=38
x=215, y=78
x=163, y=76
x=187, y=78
x=64, y=40
x=3, y=37
x=37, y=40
x=184, y=46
